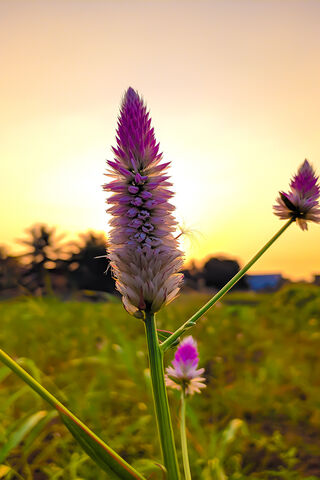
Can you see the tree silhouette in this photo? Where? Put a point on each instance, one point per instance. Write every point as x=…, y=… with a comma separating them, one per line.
x=88, y=265
x=44, y=254
x=10, y=271
x=218, y=271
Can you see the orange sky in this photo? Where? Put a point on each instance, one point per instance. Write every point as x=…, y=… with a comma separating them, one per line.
x=233, y=88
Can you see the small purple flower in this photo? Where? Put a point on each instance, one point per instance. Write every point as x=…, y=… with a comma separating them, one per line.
x=185, y=374
x=301, y=203
x=143, y=250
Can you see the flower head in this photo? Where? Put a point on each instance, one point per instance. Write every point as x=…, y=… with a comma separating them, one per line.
x=185, y=374
x=142, y=250
x=301, y=203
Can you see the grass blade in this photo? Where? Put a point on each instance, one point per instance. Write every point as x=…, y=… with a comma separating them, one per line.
x=18, y=435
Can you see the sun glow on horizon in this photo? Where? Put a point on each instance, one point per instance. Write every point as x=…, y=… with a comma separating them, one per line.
x=235, y=110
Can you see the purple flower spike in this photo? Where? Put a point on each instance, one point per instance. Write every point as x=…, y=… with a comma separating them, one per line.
x=185, y=374
x=142, y=250
x=301, y=203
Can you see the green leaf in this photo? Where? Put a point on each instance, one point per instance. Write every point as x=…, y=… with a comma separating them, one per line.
x=32, y=437
x=236, y=425
x=18, y=435
x=100, y=453
x=150, y=467
x=12, y=398
x=164, y=334
x=214, y=470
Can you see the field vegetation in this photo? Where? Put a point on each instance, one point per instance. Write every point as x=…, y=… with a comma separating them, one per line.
x=258, y=418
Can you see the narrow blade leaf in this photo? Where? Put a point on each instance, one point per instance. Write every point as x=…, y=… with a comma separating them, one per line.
x=100, y=453
x=18, y=435
x=151, y=469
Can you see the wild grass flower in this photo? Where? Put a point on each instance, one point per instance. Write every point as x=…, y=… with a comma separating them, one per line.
x=185, y=374
x=143, y=250
x=301, y=202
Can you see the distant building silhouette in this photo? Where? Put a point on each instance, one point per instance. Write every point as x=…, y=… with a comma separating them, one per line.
x=269, y=282
x=316, y=279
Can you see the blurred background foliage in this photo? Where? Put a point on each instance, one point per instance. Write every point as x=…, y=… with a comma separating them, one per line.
x=259, y=418
x=50, y=265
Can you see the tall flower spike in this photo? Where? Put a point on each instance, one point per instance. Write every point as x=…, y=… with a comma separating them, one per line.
x=142, y=249
x=185, y=374
x=301, y=203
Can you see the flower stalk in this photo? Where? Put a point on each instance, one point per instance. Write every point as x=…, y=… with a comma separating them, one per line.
x=160, y=399
x=192, y=321
x=183, y=436
x=184, y=375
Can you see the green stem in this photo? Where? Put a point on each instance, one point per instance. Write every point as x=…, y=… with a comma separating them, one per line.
x=192, y=321
x=161, y=400
x=116, y=463
x=183, y=435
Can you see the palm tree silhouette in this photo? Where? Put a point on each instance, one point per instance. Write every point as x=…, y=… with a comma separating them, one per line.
x=44, y=253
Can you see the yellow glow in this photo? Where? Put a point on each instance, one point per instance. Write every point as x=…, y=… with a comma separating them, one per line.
x=233, y=89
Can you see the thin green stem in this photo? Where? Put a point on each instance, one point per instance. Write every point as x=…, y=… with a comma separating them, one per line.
x=116, y=463
x=192, y=321
x=183, y=435
x=161, y=400
x=27, y=378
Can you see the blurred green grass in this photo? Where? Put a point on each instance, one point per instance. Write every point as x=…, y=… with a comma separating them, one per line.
x=259, y=418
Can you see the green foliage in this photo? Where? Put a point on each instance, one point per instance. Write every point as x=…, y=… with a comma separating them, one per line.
x=98, y=451
x=259, y=418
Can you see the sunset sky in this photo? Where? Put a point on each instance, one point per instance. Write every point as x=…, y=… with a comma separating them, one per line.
x=233, y=89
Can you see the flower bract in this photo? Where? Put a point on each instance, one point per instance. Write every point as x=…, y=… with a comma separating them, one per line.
x=184, y=373
x=142, y=248
x=301, y=202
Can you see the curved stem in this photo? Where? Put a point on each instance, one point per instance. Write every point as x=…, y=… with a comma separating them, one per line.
x=183, y=435
x=161, y=400
x=192, y=321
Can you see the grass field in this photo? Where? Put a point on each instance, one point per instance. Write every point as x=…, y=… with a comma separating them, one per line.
x=258, y=418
